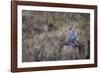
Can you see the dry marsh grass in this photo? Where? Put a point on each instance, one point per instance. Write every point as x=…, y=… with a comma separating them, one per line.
x=42, y=33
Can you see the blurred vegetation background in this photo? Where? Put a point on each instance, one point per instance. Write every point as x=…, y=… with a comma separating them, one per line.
x=42, y=32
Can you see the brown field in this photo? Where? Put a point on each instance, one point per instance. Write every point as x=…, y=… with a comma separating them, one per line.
x=42, y=33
